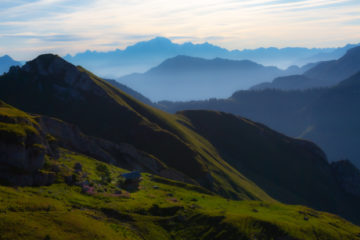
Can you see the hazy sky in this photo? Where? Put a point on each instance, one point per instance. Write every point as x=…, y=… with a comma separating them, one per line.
x=30, y=27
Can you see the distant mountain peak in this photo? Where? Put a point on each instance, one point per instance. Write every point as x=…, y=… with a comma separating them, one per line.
x=190, y=78
x=160, y=40
x=183, y=57
x=190, y=61
x=6, y=62
x=157, y=43
x=6, y=57
x=146, y=54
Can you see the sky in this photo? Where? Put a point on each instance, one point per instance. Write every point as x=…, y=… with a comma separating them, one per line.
x=31, y=27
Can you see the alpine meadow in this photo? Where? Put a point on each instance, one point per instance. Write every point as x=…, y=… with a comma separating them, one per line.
x=181, y=120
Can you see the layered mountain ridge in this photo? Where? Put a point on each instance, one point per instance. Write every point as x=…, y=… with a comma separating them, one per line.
x=324, y=74
x=104, y=111
x=327, y=116
x=186, y=142
x=191, y=78
x=144, y=55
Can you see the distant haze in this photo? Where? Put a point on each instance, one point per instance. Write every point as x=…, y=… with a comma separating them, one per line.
x=30, y=27
x=144, y=55
x=190, y=78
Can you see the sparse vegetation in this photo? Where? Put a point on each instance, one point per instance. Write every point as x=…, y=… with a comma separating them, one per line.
x=61, y=211
x=104, y=173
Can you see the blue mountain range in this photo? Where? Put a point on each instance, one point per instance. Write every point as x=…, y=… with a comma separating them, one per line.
x=142, y=56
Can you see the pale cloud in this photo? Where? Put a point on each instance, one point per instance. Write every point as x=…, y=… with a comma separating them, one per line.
x=31, y=27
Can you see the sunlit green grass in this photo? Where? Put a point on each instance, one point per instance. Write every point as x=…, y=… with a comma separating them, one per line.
x=161, y=209
x=15, y=125
x=234, y=184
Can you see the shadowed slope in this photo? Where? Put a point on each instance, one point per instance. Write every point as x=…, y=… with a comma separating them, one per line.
x=130, y=91
x=335, y=120
x=66, y=196
x=291, y=170
x=51, y=86
x=205, y=147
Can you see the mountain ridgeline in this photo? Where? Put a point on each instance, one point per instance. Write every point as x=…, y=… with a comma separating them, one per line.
x=130, y=91
x=142, y=56
x=189, y=78
x=327, y=116
x=324, y=74
x=48, y=85
x=228, y=155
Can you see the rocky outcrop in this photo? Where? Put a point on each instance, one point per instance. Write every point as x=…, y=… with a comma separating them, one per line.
x=24, y=157
x=123, y=155
x=23, y=147
x=75, y=78
x=348, y=176
x=26, y=139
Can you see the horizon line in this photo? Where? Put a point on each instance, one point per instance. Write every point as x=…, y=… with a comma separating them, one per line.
x=171, y=39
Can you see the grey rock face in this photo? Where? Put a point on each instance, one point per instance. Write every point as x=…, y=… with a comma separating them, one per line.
x=21, y=157
x=22, y=152
x=23, y=147
x=123, y=155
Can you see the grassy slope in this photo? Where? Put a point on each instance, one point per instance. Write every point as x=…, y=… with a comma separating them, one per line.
x=118, y=117
x=296, y=174
x=171, y=138
x=227, y=179
x=173, y=210
x=15, y=125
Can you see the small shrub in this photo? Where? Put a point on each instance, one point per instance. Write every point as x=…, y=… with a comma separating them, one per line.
x=120, y=181
x=104, y=173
